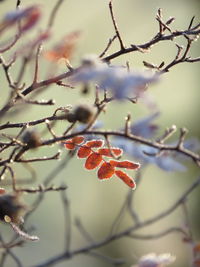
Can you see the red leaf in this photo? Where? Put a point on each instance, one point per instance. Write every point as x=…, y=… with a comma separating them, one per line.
x=125, y=164
x=105, y=171
x=126, y=178
x=93, y=161
x=2, y=191
x=70, y=145
x=94, y=143
x=196, y=263
x=84, y=152
x=196, y=248
x=107, y=152
x=78, y=139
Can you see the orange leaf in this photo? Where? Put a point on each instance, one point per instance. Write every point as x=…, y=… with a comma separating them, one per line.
x=125, y=164
x=196, y=248
x=106, y=171
x=78, y=139
x=84, y=152
x=70, y=145
x=94, y=143
x=107, y=152
x=126, y=178
x=93, y=161
x=65, y=48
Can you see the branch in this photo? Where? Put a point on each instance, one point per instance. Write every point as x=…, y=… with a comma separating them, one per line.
x=163, y=147
x=67, y=255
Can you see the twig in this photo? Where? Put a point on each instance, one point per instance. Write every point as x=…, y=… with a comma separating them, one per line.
x=42, y=189
x=83, y=231
x=155, y=40
x=159, y=234
x=54, y=13
x=111, y=40
x=35, y=78
x=64, y=256
x=115, y=26
x=67, y=220
x=164, y=147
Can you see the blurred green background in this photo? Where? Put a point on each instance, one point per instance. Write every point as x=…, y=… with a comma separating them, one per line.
x=177, y=97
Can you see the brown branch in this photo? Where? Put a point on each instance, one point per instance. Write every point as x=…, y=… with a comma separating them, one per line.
x=53, y=14
x=67, y=255
x=115, y=25
x=42, y=189
x=111, y=40
x=163, y=147
x=158, y=38
x=31, y=123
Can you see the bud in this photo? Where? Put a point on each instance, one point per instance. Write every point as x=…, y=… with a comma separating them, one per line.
x=84, y=113
x=31, y=138
x=11, y=208
x=71, y=117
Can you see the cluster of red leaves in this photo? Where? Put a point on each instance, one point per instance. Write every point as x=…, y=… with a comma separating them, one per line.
x=95, y=158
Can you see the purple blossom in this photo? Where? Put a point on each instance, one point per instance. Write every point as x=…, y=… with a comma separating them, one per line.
x=166, y=161
x=145, y=127
x=122, y=83
x=153, y=260
x=29, y=15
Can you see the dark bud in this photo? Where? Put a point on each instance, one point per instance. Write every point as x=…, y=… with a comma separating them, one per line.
x=11, y=208
x=85, y=89
x=31, y=138
x=71, y=117
x=84, y=113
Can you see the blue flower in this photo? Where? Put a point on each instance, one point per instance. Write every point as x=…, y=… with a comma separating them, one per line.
x=122, y=83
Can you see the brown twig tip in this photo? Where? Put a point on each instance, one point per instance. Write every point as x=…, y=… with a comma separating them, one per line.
x=183, y=132
x=122, y=46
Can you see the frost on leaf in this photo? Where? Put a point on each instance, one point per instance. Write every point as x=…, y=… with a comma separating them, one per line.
x=125, y=164
x=72, y=143
x=105, y=171
x=84, y=152
x=94, y=153
x=93, y=161
x=94, y=143
x=108, y=152
x=125, y=178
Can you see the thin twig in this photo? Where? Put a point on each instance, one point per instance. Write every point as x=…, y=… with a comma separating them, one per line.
x=122, y=46
x=67, y=220
x=54, y=13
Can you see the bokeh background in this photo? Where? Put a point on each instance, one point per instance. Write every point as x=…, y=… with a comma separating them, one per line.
x=177, y=97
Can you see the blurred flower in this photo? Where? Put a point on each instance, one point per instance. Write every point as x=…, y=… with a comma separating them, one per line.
x=145, y=127
x=166, y=160
x=153, y=260
x=65, y=48
x=122, y=83
x=28, y=17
